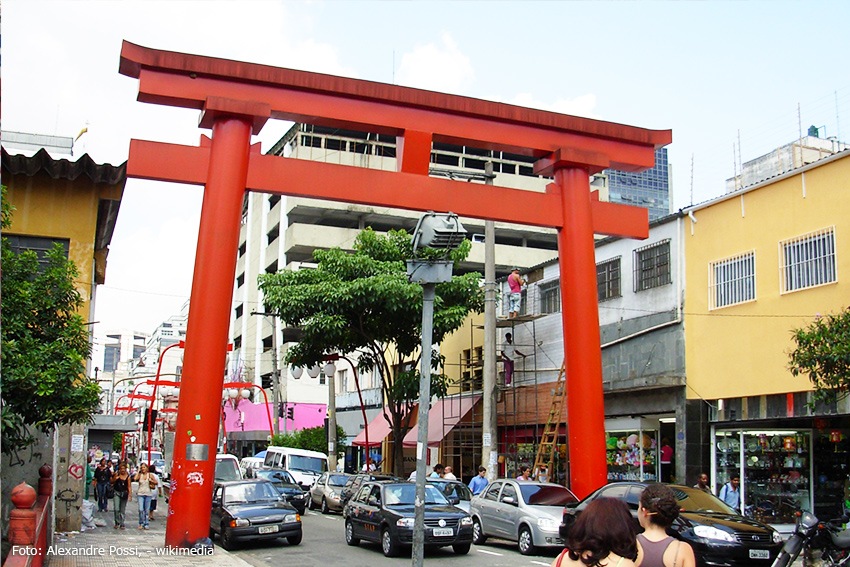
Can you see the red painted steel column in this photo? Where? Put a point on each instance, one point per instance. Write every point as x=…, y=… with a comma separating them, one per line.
x=206, y=334
x=580, y=319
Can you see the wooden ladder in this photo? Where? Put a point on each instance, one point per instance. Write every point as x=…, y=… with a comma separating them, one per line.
x=548, y=441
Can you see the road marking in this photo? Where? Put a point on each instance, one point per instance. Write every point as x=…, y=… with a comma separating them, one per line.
x=540, y=563
x=489, y=552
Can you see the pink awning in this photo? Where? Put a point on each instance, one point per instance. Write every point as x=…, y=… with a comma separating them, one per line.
x=442, y=417
x=378, y=429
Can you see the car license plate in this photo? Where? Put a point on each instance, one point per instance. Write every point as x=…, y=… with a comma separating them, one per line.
x=759, y=554
x=442, y=532
x=268, y=529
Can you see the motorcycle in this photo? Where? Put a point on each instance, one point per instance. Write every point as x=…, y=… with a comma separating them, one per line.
x=830, y=538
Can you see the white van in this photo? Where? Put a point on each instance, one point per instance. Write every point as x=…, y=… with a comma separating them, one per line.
x=227, y=467
x=156, y=458
x=249, y=464
x=305, y=466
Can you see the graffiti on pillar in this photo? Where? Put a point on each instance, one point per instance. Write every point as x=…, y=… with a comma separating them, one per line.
x=19, y=458
x=69, y=497
x=76, y=471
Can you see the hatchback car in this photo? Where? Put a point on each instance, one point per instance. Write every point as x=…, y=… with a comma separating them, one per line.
x=327, y=491
x=523, y=511
x=252, y=510
x=383, y=512
x=286, y=486
x=716, y=532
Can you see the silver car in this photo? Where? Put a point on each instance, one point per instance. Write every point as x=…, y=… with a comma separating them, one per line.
x=523, y=511
x=325, y=492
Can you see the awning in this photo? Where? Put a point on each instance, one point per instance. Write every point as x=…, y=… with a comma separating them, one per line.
x=378, y=430
x=442, y=417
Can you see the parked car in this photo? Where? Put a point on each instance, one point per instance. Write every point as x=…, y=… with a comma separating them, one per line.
x=383, y=512
x=326, y=492
x=353, y=484
x=286, y=486
x=248, y=465
x=227, y=467
x=717, y=533
x=457, y=493
x=524, y=511
x=252, y=510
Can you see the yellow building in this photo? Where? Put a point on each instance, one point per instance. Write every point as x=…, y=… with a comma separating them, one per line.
x=761, y=262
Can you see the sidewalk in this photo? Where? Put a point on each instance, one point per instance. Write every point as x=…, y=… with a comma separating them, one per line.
x=108, y=547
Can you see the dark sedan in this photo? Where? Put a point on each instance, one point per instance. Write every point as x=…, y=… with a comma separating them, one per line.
x=286, y=485
x=383, y=512
x=252, y=510
x=719, y=535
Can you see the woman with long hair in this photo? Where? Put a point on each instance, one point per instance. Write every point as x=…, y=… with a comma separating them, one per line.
x=121, y=485
x=602, y=536
x=657, y=510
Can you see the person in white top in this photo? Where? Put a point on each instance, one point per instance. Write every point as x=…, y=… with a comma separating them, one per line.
x=509, y=353
x=448, y=474
x=147, y=484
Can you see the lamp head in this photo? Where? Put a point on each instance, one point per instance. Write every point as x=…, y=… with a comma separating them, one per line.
x=438, y=230
x=314, y=371
x=296, y=371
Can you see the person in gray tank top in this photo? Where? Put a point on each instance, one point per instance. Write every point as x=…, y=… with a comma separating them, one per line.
x=657, y=510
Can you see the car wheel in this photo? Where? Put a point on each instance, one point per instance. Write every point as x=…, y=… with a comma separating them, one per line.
x=349, y=534
x=525, y=541
x=388, y=546
x=461, y=548
x=325, y=509
x=478, y=537
x=294, y=539
x=227, y=541
x=310, y=504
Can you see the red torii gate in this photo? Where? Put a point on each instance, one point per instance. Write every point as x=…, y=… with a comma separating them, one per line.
x=236, y=99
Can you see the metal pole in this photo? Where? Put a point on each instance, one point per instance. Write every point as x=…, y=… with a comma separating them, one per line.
x=489, y=435
x=276, y=381
x=428, y=293
x=332, y=420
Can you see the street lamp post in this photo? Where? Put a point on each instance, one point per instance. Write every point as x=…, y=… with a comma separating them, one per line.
x=330, y=372
x=276, y=394
x=336, y=356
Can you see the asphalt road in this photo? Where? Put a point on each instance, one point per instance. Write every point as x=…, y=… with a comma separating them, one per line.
x=324, y=546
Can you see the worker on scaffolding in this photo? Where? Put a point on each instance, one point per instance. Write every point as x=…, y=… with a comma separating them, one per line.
x=509, y=354
x=515, y=283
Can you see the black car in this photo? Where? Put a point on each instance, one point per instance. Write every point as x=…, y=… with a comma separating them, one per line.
x=353, y=484
x=717, y=533
x=252, y=510
x=383, y=512
x=286, y=485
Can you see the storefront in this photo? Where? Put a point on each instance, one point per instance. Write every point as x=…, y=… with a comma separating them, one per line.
x=783, y=470
x=632, y=448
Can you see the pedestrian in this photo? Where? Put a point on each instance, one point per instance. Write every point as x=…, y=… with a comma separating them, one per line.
x=479, y=481
x=730, y=493
x=509, y=353
x=702, y=483
x=147, y=484
x=121, y=486
x=102, y=478
x=439, y=470
x=448, y=474
x=524, y=473
x=657, y=510
x=543, y=474
x=156, y=491
x=666, y=460
x=602, y=536
x=515, y=283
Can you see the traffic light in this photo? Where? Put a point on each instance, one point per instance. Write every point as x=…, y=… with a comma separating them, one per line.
x=145, y=422
x=290, y=412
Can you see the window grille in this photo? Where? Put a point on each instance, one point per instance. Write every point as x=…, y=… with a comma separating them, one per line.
x=732, y=280
x=808, y=260
x=608, y=279
x=550, y=296
x=652, y=266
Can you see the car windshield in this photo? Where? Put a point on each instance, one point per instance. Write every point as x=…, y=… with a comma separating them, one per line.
x=695, y=500
x=405, y=494
x=277, y=477
x=546, y=495
x=227, y=469
x=306, y=464
x=455, y=490
x=337, y=479
x=248, y=493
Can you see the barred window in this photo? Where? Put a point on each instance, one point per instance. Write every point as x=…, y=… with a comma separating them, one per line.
x=652, y=266
x=808, y=260
x=608, y=279
x=550, y=296
x=732, y=280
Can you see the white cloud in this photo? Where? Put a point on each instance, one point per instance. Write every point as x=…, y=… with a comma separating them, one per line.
x=584, y=105
x=435, y=67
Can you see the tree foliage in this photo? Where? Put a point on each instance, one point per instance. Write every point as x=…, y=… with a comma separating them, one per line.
x=44, y=345
x=311, y=439
x=363, y=302
x=823, y=354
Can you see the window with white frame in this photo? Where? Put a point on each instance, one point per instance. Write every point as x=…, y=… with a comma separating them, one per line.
x=732, y=280
x=808, y=260
x=550, y=296
x=608, y=279
x=342, y=380
x=652, y=266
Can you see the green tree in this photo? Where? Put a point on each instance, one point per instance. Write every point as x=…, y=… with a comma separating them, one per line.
x=44, y=345
x=311, y=439
x=823, y=354
x=363, y=302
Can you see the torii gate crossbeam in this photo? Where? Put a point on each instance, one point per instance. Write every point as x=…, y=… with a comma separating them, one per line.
x=236, y=99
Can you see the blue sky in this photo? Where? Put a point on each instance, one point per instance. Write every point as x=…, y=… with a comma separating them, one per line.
x=707, y=70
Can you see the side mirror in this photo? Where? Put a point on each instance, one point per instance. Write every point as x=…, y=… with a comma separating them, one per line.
x=509, y=500
x=454, y=500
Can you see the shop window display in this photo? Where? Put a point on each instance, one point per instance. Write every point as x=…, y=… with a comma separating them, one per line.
x=632, y=455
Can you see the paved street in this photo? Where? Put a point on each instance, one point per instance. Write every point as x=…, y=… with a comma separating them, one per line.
x=324, y=544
